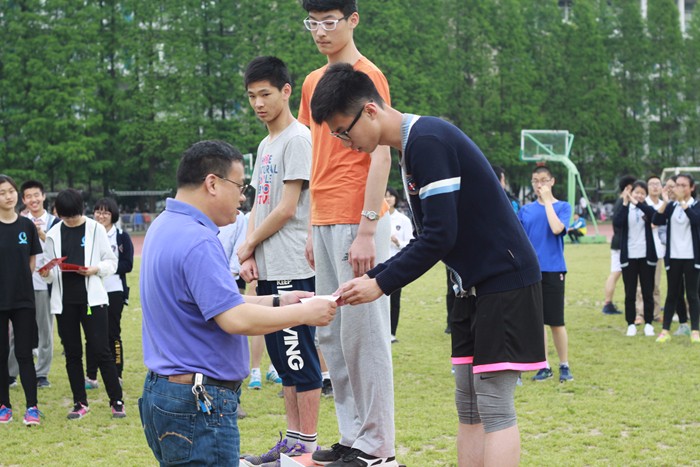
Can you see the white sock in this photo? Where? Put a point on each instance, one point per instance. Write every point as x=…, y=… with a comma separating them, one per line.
x=292, y=437
x=271, y=368
x=308, y=441
x=563, y=364
x=325, y=375
x=255, y=372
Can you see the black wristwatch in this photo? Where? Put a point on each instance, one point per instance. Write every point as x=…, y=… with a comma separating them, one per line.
x=275, y=300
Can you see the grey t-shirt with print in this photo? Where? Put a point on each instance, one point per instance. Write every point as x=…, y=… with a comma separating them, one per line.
x=287, y=157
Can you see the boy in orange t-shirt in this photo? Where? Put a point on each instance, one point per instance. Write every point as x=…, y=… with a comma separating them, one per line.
x=350, y=235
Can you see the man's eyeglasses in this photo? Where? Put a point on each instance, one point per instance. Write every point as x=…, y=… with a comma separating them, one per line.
x=540, y=182
x=240, y=186
x=344, y=135
x=327, y=25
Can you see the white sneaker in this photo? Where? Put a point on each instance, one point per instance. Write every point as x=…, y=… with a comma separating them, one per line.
x=631, y=330
x=649, y=330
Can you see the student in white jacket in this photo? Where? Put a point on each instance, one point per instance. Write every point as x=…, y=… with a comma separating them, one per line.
x=79, y=298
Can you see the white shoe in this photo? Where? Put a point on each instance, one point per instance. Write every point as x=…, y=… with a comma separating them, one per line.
x=632, y=330
x=649, y=330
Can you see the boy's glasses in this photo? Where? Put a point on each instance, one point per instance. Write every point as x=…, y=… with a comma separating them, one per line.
x=327, y=25
x=344, y=135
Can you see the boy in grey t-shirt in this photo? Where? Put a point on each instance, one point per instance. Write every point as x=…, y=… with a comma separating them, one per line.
x=273, y=251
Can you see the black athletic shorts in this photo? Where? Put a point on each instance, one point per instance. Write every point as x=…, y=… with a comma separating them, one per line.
x=499, y=331
x=553, y=298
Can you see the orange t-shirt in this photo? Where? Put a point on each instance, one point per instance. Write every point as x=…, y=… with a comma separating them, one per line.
x=338, y=174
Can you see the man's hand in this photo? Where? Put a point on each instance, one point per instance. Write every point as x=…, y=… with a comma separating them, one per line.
x=319, y=312
x=358, y=291
x=546, y=194
x=245, y=251
x=249, y=270
x=294, y=296
x=309, y=252
x=362, y=254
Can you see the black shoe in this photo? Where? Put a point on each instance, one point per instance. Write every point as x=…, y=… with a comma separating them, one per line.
x=43, y=382
x=448, y=330
x=326, y=456
x=357, y=458
x=327, y=388
x=12, y=382
x=611, y=309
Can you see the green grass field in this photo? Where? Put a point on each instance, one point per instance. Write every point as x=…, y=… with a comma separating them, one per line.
x=633, y=402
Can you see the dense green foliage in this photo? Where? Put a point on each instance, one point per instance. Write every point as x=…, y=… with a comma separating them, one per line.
x=105, y=94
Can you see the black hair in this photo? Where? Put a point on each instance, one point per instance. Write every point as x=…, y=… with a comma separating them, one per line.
x=344, y=90
x=6, y=178
x=653, y=176
x=688, y=176
x=498, y=170
x=642, y=184
x=32, y=184
x=392, y=191
x=204, y=158
x=267, y=68
x=348, y=7
x=625, y=181
x=542, y=168
x=69, y=203
x=108, y=204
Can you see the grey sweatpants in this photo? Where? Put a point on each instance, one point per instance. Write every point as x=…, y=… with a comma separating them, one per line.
x=357, y=344
x=44, y=323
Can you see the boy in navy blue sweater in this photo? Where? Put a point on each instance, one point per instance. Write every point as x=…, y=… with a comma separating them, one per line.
x=464, y=218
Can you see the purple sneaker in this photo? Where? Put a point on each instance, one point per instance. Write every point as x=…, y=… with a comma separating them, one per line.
x=270, y=456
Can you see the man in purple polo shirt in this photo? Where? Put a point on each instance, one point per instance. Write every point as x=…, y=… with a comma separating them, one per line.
x=194, y=318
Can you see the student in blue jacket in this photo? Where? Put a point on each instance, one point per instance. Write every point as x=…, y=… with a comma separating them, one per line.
x=463, y=218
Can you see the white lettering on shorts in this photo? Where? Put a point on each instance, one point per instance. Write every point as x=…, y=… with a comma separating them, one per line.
x=291, y=343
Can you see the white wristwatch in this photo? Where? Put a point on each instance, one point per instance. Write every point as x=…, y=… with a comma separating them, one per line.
x=371, y=215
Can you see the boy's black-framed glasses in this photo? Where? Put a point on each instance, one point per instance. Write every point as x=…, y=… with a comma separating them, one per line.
x=344, y=135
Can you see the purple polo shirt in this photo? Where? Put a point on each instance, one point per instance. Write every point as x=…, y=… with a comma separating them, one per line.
x=185, y=283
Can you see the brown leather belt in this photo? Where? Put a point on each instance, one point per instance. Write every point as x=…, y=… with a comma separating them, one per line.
x=188, y=378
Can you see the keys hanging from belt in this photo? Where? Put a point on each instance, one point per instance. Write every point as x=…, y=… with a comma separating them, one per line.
x=201, y=397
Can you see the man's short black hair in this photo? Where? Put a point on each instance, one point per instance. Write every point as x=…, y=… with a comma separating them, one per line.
x=204, y=158
x=625, y=181
x=348, y=7
x=108, y=204
x=32, y=184
x=69, y=203
x=267, y=68
x=344, y=90
x=542, y=168
x=650, y=177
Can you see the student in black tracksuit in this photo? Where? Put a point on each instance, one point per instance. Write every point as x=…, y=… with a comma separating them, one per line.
x=682, y=253
x=638, y=256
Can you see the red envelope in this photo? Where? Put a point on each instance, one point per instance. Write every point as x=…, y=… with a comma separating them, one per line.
x=68, y=267
x=52, y=264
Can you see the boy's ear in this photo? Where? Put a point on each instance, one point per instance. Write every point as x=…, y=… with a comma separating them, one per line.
x=354, y=20
x=287, y=90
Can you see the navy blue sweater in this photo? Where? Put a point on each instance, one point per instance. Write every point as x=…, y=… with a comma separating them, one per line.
x=462, y=215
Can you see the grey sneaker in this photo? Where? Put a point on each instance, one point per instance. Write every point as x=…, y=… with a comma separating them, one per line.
x=683, y=330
